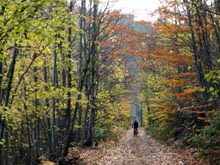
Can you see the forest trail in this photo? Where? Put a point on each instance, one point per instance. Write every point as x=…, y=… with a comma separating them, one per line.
x=137, y=150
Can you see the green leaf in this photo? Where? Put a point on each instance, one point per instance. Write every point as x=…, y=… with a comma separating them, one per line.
x=50, y=39
x=201, y=89
x=2, y=141
x=21, y=29
x=211, y=89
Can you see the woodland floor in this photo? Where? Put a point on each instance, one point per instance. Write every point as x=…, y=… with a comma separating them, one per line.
x=137, y=150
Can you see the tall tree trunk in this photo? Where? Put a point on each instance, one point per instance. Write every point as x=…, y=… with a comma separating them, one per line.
x=89, y=138
x=82, y=26
x=1, y=92
x=87, y=64
x=28, y=128
x=1, y=119
x=68, y=121
x=198, y=66
x=10, y=75
x=54, y=83
x=35, y=131
x=69, y=79
x=50, y=146
x=204, y=37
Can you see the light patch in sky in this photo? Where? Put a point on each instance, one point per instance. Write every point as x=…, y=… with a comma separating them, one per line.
x=140, y=8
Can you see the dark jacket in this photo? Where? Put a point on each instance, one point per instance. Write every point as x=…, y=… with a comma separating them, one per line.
x=135, y=124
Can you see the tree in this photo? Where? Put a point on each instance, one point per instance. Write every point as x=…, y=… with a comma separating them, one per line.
x=182, y=60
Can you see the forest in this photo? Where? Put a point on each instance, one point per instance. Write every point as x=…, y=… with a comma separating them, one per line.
x=76, y=73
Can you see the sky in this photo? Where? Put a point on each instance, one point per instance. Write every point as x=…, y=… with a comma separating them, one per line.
x=140, y=8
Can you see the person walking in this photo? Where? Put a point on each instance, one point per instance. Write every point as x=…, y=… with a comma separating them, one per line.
x=135, y=126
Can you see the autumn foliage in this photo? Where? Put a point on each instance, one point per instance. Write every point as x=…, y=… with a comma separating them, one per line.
x=64, y=79
x=181, y=68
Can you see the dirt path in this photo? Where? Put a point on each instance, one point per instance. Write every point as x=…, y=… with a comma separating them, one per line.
x=137, y=150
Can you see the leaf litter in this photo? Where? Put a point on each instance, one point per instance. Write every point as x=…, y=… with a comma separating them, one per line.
x=137, y=150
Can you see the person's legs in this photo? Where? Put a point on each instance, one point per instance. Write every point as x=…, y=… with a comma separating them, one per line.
x=135, y=131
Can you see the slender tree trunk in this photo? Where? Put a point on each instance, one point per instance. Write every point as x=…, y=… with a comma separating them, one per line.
x=54, y=83
x=79, y=97
x=89, y=138
x=50, y=146
x=69, y=79
x=1, y=119
x=69, y=122
x=6, y=151
x=7, y=95
x=69, y=133
x=198, y=65
x=82, y=26
x=1, y=94
x=35, y=131
x=73, y=119
x=28, y=129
